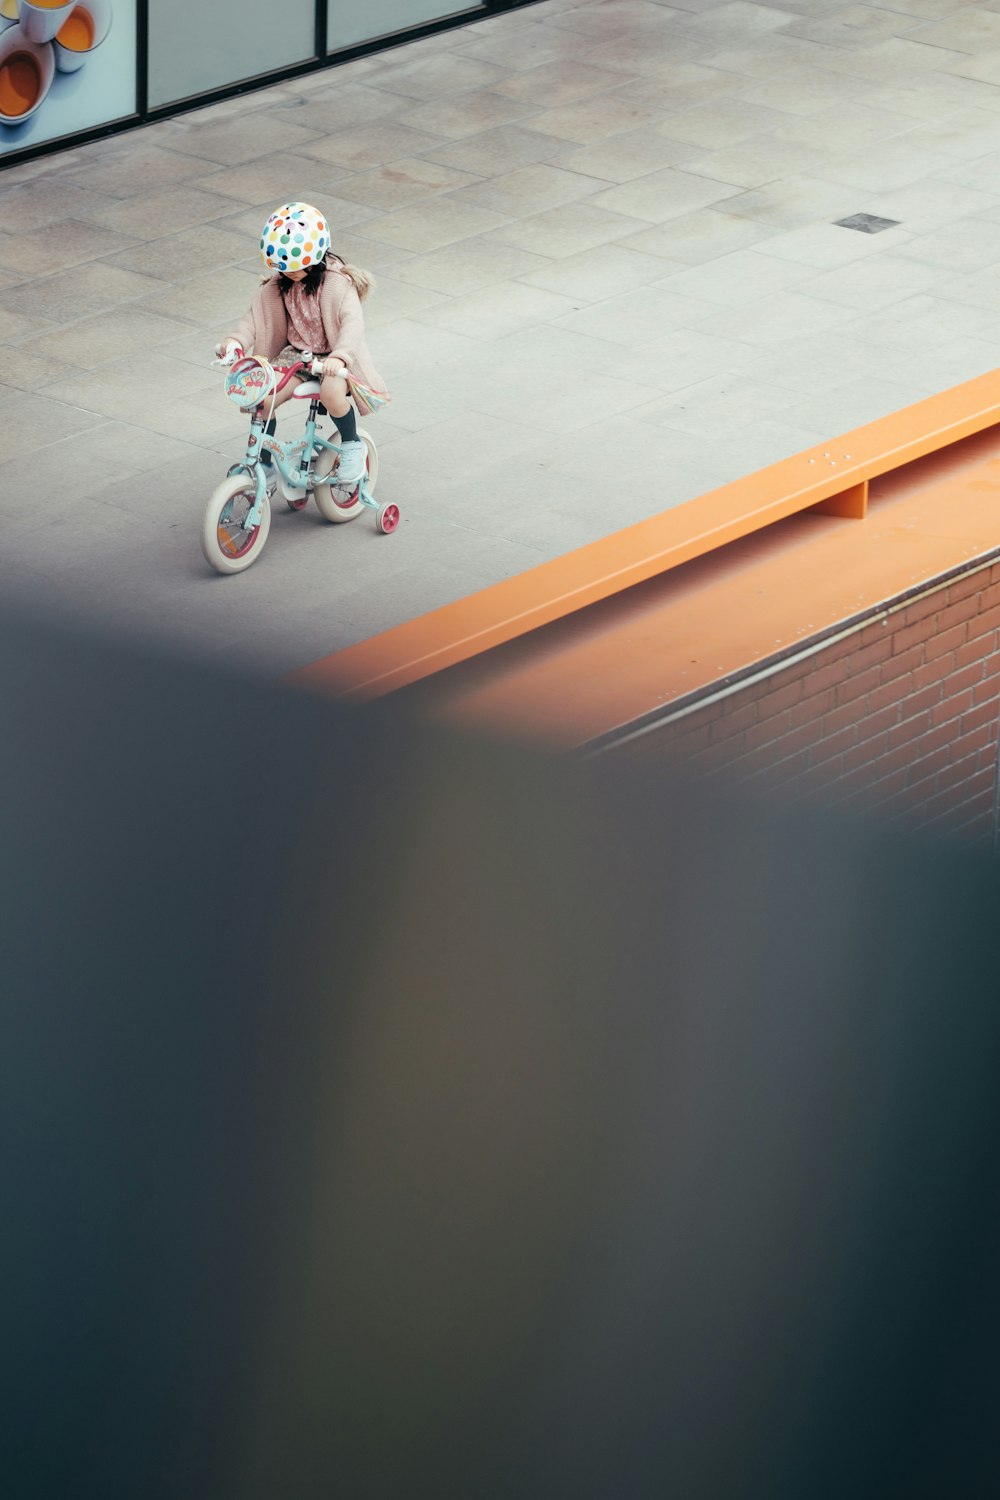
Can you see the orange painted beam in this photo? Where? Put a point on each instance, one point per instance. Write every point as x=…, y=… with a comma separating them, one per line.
x=695, y=630
x=832, y=476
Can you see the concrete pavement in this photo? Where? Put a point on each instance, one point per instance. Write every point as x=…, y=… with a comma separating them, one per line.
x=609, y=278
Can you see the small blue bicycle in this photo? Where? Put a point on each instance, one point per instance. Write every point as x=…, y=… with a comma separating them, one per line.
x=238, y=515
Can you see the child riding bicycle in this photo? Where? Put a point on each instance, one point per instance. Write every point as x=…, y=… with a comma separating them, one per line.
x=311, y=305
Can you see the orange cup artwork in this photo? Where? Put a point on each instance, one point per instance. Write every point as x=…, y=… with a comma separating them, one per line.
x=26, y=72
x=38, y=39
x=81, y=33
x=41, y=19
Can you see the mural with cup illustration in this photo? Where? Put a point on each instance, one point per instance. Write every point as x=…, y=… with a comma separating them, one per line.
x=65, y=65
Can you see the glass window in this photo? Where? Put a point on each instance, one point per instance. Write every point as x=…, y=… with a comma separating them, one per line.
x=348, y=23
x=63, y=68
x=195, y=47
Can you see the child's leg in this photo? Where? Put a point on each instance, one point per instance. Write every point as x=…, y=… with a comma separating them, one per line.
x=271, y=429
x=280, y=397
x=333, y=394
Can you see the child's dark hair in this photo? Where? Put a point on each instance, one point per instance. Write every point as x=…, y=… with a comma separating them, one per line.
x=363, y=280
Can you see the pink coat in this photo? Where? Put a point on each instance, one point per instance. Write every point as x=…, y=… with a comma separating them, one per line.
x=263, y=329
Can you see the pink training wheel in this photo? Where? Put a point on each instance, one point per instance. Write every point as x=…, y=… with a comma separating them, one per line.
x=387, y=518
x=299, y=504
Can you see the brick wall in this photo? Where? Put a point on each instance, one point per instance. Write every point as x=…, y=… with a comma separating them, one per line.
x=899, y=716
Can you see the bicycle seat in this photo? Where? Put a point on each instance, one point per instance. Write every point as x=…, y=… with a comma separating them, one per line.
x=306, y=391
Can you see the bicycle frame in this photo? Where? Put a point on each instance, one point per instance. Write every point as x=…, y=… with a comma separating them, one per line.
x=310, y=443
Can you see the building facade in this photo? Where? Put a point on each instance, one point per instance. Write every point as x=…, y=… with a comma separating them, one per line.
x=72, y=71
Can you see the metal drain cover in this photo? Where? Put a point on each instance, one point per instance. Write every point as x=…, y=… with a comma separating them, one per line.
x=867, y=223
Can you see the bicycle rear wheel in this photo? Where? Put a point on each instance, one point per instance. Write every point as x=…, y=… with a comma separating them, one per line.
x=336, y=502
x=226, y=545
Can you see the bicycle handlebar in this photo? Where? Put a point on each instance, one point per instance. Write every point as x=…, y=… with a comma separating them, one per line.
x=315, y=367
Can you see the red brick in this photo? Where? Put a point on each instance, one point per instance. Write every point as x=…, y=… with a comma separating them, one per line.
x=985, y=691
x=973, y=783
x=903, y=661
x=963, y=803
x=942, y=734
x=779, y=699
x=886, y=787
x=967, y=677
x=934, y=670
x=971, y=583
x=859, y=684
x=974, y=741
x=893, y=690
x=740, y=716
x=944, y=642
x=827, y=676
x=906, y=637
x=871, y=750
x=721, y=753
x=821, y=775
x=847, y=714
x=985, y=713
x=797, y=671
x=872, y=655
x=930, y=765
x=877, y=723
x=775, y=772
x=984, y=622
x=802, y=738
x=926, y=698
x=832, y=745
x=920, y=609
x=901, y=758
x=909, y=729
x=854, y=780
x=990, y=643
x=678, y=756
x=914, y=794
x=697, y=727
x=958, y=773
x=976, y=787
x=973, y=651
x=877, y=630
x=745, y=763
x=813, y=707
x=834, y=650
x=982, y=782
x=952, y=707
x=766, y=732
x=700, y=753
x=790, y=765
x=952, y=614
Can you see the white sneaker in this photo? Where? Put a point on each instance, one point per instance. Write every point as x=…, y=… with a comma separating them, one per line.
x=352, y=462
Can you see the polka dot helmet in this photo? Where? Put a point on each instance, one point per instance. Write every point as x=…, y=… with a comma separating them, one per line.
x=295, y=237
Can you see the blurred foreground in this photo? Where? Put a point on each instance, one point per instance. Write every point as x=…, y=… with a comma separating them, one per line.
x=388, y=1113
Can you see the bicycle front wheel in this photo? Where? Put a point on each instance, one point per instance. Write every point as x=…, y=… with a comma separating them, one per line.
x=225, y=543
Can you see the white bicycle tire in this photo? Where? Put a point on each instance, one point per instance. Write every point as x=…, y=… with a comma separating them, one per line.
x=215, y=553
x=328, y=505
